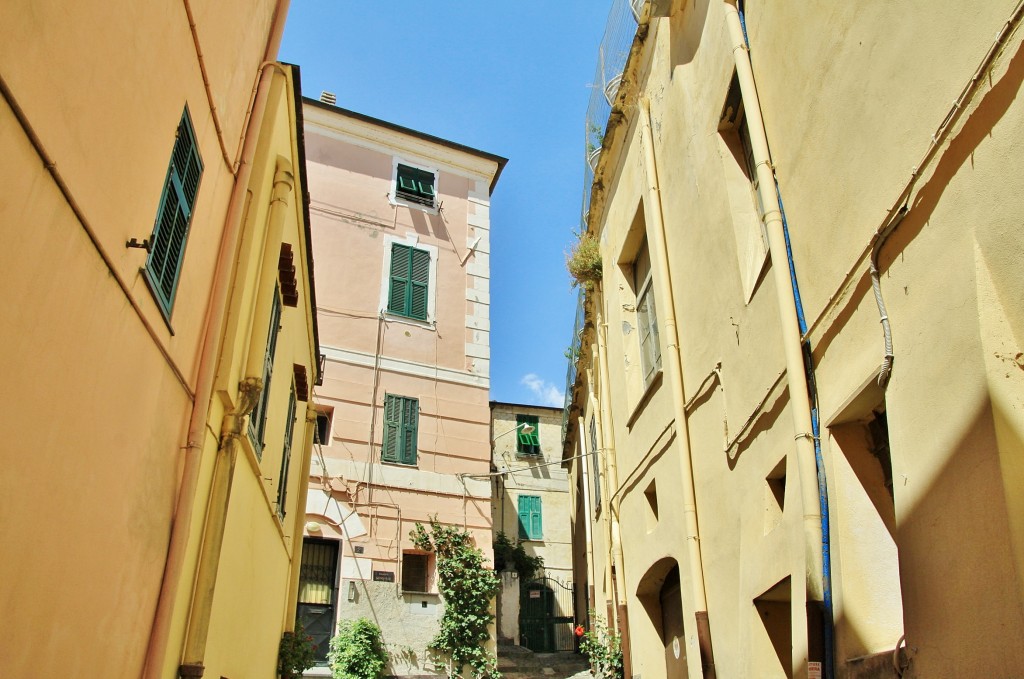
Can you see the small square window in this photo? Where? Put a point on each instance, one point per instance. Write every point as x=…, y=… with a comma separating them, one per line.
x=324, y=419
x=414, y=185
x=415, y=572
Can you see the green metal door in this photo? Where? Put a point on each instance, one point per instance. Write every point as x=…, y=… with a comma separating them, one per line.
x=546, y=615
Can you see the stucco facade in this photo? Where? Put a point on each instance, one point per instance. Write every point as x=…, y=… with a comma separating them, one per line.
x=401, y=230
x=755, y=520
x=142, y=173
x=531, y=503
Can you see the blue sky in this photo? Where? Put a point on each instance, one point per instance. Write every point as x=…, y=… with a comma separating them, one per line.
x=510, y=78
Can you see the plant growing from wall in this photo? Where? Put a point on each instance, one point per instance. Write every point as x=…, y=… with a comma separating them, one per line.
x=467, y=587
x=295, y=653
x=509, y=556
x=603, y=649
x=357, y=651
x=584, y=261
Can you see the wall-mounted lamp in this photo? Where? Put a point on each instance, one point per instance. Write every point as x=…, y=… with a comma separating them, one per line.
x=525, y=426
x=351, y=590
x=312, y=527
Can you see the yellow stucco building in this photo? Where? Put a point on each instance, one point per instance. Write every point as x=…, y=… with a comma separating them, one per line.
x=799, y=388
x=159, y=343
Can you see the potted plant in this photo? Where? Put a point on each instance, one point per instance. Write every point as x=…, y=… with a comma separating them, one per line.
x=295, y=654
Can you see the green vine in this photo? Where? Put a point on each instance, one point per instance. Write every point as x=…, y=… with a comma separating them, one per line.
x=508, y=556
x=357, y=651
x=468, y=588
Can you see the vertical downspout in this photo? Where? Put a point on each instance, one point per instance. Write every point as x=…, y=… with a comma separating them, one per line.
x=584, y=463
x=807, y=449
x=223, y=471
x=297, y=527
x=606, y=512
x=663, y=280
x=213, y=324
x=607, y=438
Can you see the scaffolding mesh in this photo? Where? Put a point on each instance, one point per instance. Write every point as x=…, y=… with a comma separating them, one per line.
x=611, y=59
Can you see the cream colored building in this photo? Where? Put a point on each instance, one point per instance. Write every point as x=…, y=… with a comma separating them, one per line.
x=151, y=186
x=800, y=383
x=401, y=227
x=531, y=507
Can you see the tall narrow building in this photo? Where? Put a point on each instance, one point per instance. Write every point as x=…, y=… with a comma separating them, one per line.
x=401, y=230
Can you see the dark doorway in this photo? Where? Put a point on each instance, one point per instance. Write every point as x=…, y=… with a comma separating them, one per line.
x=318, y=592
x=671, y=604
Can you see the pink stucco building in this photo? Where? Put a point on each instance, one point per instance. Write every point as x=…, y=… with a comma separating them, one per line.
x=401, y=234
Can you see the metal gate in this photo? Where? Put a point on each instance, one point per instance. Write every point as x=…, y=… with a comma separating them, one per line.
x=546, y=615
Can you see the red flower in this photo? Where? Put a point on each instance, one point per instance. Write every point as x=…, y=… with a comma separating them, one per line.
x=579, y=630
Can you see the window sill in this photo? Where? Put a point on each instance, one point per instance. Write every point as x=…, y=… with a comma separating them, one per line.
x=413, y=205
x=396, y=463
x=645, y=398
x=429, y=324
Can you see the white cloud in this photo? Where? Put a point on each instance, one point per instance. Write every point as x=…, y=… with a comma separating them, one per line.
x=549, y=394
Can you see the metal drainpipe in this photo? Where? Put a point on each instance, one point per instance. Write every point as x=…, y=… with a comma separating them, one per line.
x=223, y=473
x=607, y=438
x=587, y=514
x=674, y=369
x=609, y=588
x=800, y=401
x=213, y=325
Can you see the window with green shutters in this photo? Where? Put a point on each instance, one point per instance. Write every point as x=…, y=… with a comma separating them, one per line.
x=401, y=422
x=414, y=185
x=528, y=444
x=286, y=455
x=409, y=284
x=258, y=417
x=531, y=524
x=170, y=232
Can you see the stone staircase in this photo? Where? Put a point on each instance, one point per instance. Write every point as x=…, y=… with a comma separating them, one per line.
x=517, y=662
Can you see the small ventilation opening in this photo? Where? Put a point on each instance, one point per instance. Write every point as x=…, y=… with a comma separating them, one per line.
x=651, y=495
x=328, y=98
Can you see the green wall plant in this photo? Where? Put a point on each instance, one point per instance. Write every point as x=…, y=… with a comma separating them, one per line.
x=467, y=587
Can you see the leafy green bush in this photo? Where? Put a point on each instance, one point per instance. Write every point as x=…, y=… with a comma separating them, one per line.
x=467, y=587
x=513, y=556
x=357, y=651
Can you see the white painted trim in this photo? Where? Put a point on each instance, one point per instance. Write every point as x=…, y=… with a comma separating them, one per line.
x=402, y=367
x=411, y=240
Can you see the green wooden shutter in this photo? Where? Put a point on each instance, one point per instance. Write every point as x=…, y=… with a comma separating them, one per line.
x=531, y=524
x=410, y=430
x=409, y=286
x=399, y=287
x=419, y=282
x=392, y=423
x=536, y=520
x=258, y=417
x=286, y=456
x=524, y=518
x=595, y=464
x=528, y=444
x=170, y=231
